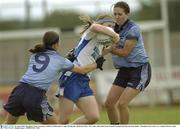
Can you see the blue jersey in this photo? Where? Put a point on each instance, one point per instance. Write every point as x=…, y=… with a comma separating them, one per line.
x=44, y=68
x=138, y=55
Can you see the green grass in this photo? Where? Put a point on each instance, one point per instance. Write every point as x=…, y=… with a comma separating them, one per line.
x=158, y=115
x=138, y=115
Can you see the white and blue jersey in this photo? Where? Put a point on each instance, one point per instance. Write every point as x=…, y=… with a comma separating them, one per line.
x=88, y=50
x=137, y=56
x=44, y=68
x=77, y=85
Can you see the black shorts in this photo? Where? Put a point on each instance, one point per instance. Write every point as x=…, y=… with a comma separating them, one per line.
x=30, y=100
x=137, y=78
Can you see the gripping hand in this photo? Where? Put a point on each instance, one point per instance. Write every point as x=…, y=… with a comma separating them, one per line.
x=100, y=62
x=70, y=55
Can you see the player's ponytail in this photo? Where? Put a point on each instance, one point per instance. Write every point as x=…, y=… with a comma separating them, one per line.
x=87, y=20
x=38, y=48
x=48, y=40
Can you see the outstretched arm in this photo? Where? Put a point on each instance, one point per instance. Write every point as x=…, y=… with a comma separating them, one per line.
x=84, y=69
x=90, y=67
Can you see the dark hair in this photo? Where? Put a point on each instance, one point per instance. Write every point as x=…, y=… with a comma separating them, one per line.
x=123, y=5
x=48, y=40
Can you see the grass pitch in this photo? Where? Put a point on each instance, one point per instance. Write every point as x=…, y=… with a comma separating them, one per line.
x=138, y=115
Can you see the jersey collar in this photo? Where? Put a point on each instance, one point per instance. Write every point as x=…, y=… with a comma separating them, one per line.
x=125, y=23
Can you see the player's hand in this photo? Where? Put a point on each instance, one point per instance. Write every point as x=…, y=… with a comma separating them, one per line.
x=100, y=62
x=115, y=39
x=70, y=55
x=108, y=48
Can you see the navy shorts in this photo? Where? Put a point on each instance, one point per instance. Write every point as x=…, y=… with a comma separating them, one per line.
x=137, y=78
x=30, y=100
x=77, y=86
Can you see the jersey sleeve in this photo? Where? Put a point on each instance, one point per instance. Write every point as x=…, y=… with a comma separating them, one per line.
x=67, y=65
x=133, y=33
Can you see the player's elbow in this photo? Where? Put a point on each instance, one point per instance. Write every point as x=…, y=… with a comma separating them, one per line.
x=125, y=54
x=94, y=28
x=122, y=53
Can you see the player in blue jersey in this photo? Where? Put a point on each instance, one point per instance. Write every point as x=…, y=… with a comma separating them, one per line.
x=45, y=66
x=76, y=88
x=130, y=57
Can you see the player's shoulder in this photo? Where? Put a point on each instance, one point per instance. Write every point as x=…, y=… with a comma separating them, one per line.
x=133, y=25
x=55, y=55
x=88, y=35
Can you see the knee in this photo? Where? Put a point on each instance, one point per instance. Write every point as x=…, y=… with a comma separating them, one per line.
x=67, y=113
x=93, y=119
x=109, y=104
x=63, y=121
x=64, y=117
x=11, y=119
x=122, y=104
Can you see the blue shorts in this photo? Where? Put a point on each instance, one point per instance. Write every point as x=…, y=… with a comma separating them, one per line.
x=77, y=86
x=137, y=78
x=30, y=100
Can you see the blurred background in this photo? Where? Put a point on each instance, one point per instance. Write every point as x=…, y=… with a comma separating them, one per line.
x=23, y=22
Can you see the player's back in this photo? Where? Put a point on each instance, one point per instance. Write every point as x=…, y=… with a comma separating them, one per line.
x=44, y=68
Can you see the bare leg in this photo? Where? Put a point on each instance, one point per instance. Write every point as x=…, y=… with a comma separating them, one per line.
x=65, y=110
x=50, y=120
x=111, y=102
x=11, y=119
x=124, y=100
x=89, y=107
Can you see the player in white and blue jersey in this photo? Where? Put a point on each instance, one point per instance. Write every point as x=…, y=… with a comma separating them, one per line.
x=130, y=57
x=45, y=66
x=76, y=87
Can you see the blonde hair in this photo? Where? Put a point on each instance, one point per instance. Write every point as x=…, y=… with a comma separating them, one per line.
x=104, y=18
x=100, y=20
x=87, y=21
